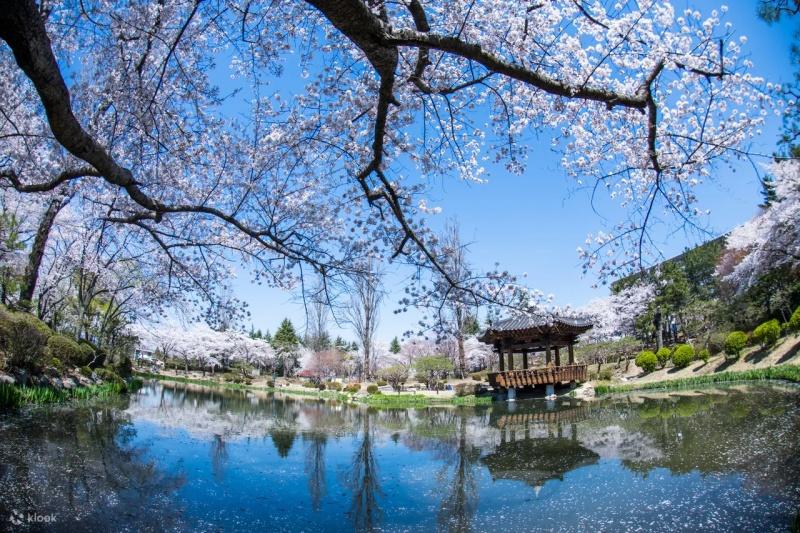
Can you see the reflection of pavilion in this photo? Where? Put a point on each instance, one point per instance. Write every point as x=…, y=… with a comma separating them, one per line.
x=554, y=422
x=538, y=446
x=536, y=461
x=527, y=336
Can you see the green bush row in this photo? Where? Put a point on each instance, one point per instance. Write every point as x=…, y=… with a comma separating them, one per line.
x=780, y=372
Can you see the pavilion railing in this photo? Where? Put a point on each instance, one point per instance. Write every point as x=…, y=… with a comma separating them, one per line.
x=537, y=376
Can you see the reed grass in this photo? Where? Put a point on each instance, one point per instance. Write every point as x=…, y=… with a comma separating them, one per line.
x=16, y=395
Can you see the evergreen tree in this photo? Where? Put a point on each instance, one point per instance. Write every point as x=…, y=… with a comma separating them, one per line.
x=286, y=344
x=340, y=344
x=394, y=347
x=768, y=193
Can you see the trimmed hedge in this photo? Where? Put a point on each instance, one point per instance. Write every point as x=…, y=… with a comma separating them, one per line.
x=683, y=355
x=372, y=389
x=23, y=338
x=647, y=361
x=735, y=343
x=704, y=355
x=67, y=350
x=767, y=333
x=663, y=355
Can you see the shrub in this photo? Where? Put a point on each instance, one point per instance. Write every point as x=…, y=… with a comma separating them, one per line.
x=682, y=355
x=270, y=384
x=647, y=360
x=352, y=388
x=232, y=377
x=321, y=386
x=466, y=389
x=334, y=385
x=86, y=371
x=382, y=383
x=109, y=376
x=66, y=349
x=24, y=338
x=477, y=376
x=767, y=333
x=735, y=343
x=703, y=355
x=124, y=367
x=56, y=363
x=605, y=374
x=793, y=324
x=716, y=342
x=372, y=389
x=87, y=352
x=663, y=355
x=309, y=385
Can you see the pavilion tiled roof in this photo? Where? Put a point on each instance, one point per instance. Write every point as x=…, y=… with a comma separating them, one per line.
x=523, y=324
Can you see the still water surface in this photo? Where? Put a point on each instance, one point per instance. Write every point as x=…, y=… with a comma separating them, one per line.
x=185, y=457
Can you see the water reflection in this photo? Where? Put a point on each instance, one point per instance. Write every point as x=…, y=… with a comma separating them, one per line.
x=241, y=460
x=78, y=467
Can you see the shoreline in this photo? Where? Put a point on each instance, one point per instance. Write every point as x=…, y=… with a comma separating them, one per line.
x=401, y=400
x=14, y=396
x=786, y=373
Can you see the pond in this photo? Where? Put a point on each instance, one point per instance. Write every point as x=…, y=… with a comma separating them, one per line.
x=184, y=457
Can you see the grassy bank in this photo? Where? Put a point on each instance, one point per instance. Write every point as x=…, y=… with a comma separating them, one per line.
x=781, y=372
x=16, y=395
x=374, y=400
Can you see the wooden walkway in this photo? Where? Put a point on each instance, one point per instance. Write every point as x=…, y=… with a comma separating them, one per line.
x=518, y=379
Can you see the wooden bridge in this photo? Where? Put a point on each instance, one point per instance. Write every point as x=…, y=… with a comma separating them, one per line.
x=516, y=379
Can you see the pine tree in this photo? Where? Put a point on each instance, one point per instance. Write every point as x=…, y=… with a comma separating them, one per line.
x=768, y=193
x=394, y=347
x=286, y=344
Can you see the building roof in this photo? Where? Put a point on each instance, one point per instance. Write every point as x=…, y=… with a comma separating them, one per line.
x=534, y=328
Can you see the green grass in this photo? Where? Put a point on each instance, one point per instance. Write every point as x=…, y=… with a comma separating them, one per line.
x=15, y=395
x=781, y=372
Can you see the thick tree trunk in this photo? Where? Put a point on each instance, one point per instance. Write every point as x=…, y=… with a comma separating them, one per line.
x=462, y=358
x=31, y=276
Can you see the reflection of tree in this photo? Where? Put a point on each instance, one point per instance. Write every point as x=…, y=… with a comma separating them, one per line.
x=283, y=439
x=365, y=511
x=315, y=466
x=77, y=463
x=219, y=456
x=460, y=503
x=752, y=432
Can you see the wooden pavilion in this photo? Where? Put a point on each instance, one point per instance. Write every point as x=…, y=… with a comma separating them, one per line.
x=527, y=336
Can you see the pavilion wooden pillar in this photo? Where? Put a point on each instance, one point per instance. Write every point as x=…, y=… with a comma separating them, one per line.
x=511, y=358
x=501, y=361
x=525, y=359
x=547, y=352
x=558, y=356
x=571, y=348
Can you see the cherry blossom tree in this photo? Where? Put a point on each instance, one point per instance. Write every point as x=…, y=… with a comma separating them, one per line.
x=642, y=100
x=770, y=240
x=614, y=316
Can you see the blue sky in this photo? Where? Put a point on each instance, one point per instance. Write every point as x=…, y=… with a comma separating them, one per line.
x=533, y=223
